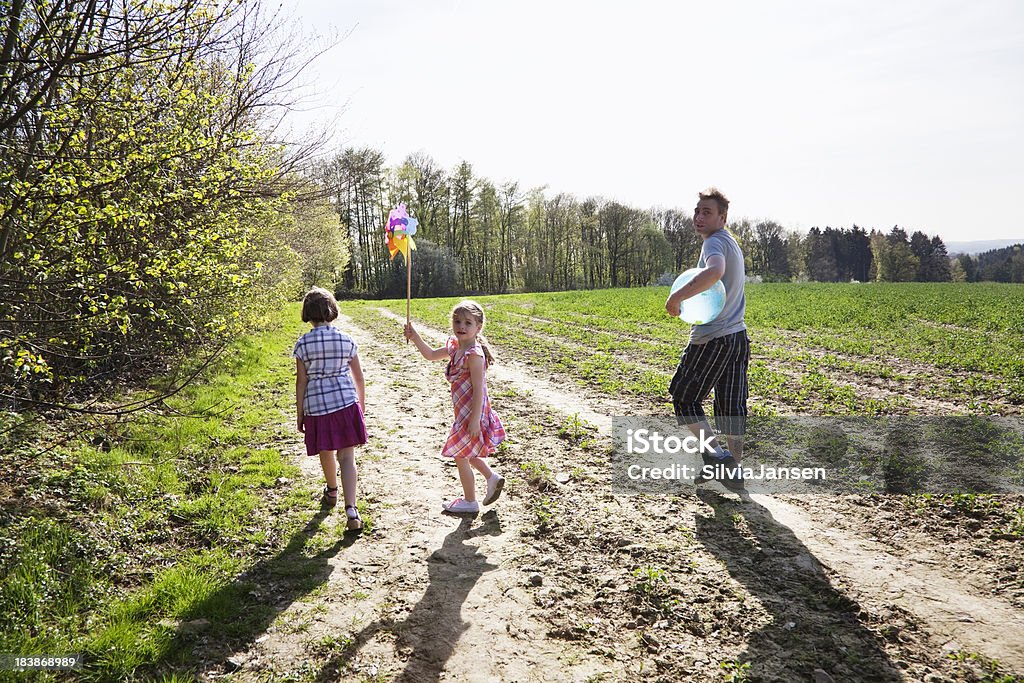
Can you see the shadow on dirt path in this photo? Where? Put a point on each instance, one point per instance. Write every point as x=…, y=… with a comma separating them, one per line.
x=813, y=625
x=254, y=599
x=428, y=635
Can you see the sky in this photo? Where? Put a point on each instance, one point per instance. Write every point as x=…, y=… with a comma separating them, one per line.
x=867, y=112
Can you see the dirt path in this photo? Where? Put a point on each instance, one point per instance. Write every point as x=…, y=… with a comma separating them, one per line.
x=946, y=606
x=563, y=581
x=423, y=595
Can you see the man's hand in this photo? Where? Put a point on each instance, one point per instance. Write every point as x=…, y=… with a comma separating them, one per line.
x=298, y=423
x=672, y=307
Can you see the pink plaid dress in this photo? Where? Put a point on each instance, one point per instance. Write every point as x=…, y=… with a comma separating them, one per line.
x=460, y=444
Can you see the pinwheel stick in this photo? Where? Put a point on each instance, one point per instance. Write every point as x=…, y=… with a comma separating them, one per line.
x=408, y=284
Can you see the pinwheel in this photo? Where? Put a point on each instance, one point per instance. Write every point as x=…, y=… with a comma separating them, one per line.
x=400, y=229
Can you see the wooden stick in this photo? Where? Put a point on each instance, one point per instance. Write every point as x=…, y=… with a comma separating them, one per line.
x=408, y=283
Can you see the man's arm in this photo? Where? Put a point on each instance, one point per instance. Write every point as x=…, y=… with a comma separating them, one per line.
x=711, y=273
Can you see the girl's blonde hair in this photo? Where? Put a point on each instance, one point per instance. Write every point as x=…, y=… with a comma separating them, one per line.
x=475, y=310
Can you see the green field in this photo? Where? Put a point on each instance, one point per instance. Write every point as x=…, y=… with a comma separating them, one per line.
x=823, y=349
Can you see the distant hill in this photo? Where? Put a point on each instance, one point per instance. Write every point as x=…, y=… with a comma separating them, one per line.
x=979, y=246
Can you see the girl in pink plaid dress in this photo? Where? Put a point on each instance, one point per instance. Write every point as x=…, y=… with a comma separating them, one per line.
x=477, y=430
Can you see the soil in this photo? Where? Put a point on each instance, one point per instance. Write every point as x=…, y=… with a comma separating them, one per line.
x=563, y=580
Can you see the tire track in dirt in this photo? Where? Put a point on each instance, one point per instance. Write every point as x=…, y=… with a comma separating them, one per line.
x=423, y=595
x=961, y=619
x=941, y=603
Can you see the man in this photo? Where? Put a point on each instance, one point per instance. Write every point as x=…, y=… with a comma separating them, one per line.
x=718, y=352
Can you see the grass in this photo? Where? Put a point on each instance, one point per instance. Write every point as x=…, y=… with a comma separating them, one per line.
x=819, y=349
x=148, y=543
x=814, y=342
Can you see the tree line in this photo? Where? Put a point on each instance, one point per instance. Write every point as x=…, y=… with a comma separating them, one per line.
x=479, y=236
x=146, y=208
x=997, y=265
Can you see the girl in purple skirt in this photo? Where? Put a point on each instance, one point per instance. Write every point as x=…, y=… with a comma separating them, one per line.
x=329, y=398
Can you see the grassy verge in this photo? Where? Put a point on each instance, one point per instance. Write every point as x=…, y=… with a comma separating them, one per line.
x=160, y=544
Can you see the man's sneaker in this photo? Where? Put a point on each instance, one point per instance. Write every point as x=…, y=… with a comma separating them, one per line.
x=494, y=486
x=461, y=506
x=733, y=475
x=727, y=470
x=713, y=459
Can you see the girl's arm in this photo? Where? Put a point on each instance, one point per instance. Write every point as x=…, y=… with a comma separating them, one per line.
x=476, y=376
x=428, y=353
x=357, y=377
x=301, y=380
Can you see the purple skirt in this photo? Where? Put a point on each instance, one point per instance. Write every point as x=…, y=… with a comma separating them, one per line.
x=332, y=432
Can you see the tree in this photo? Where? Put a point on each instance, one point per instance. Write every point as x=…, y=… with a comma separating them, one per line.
x=510, y=227
x=921, y=247
x=319, y=243
x=857, y=255
x=895, y=262
x=936, y=266
x=435, y=272
x=968, y=267
x=820, y=263
x=768, y=257
x=796, y=253
x=619, y=224
x=957, y=273
x=356, y=180
x=652, y=255
x=1017, y=264
x=141, y=200
x=683, y=240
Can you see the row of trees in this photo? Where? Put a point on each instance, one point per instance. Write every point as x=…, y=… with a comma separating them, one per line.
x=144, y=206
x=475, y=235
x=998, y=265
x=841, y=255
x=478, y=236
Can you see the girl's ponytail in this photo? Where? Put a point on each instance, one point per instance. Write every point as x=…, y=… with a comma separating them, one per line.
x=482, y=341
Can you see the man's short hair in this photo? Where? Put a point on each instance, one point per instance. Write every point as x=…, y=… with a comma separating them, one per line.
x=714, y=194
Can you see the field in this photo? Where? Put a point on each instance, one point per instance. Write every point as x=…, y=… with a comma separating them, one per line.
x=880, y=349
x=188, y=542
x=791, y=586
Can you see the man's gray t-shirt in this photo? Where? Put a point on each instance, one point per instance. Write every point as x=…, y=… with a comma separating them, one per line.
x=730, y=320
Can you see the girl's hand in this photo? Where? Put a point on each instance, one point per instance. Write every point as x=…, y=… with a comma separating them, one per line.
x=410, y=332
x=298, y=423
x=474, y=428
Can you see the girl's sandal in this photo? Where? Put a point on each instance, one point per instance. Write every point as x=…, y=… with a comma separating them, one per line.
x=331, y=495
x=355, y=522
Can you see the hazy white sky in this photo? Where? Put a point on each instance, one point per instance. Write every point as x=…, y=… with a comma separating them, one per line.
x=874, y=112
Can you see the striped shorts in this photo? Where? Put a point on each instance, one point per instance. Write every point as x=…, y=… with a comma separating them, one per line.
x=720, y=364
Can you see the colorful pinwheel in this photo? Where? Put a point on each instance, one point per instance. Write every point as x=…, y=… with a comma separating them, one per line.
x=400, y=229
